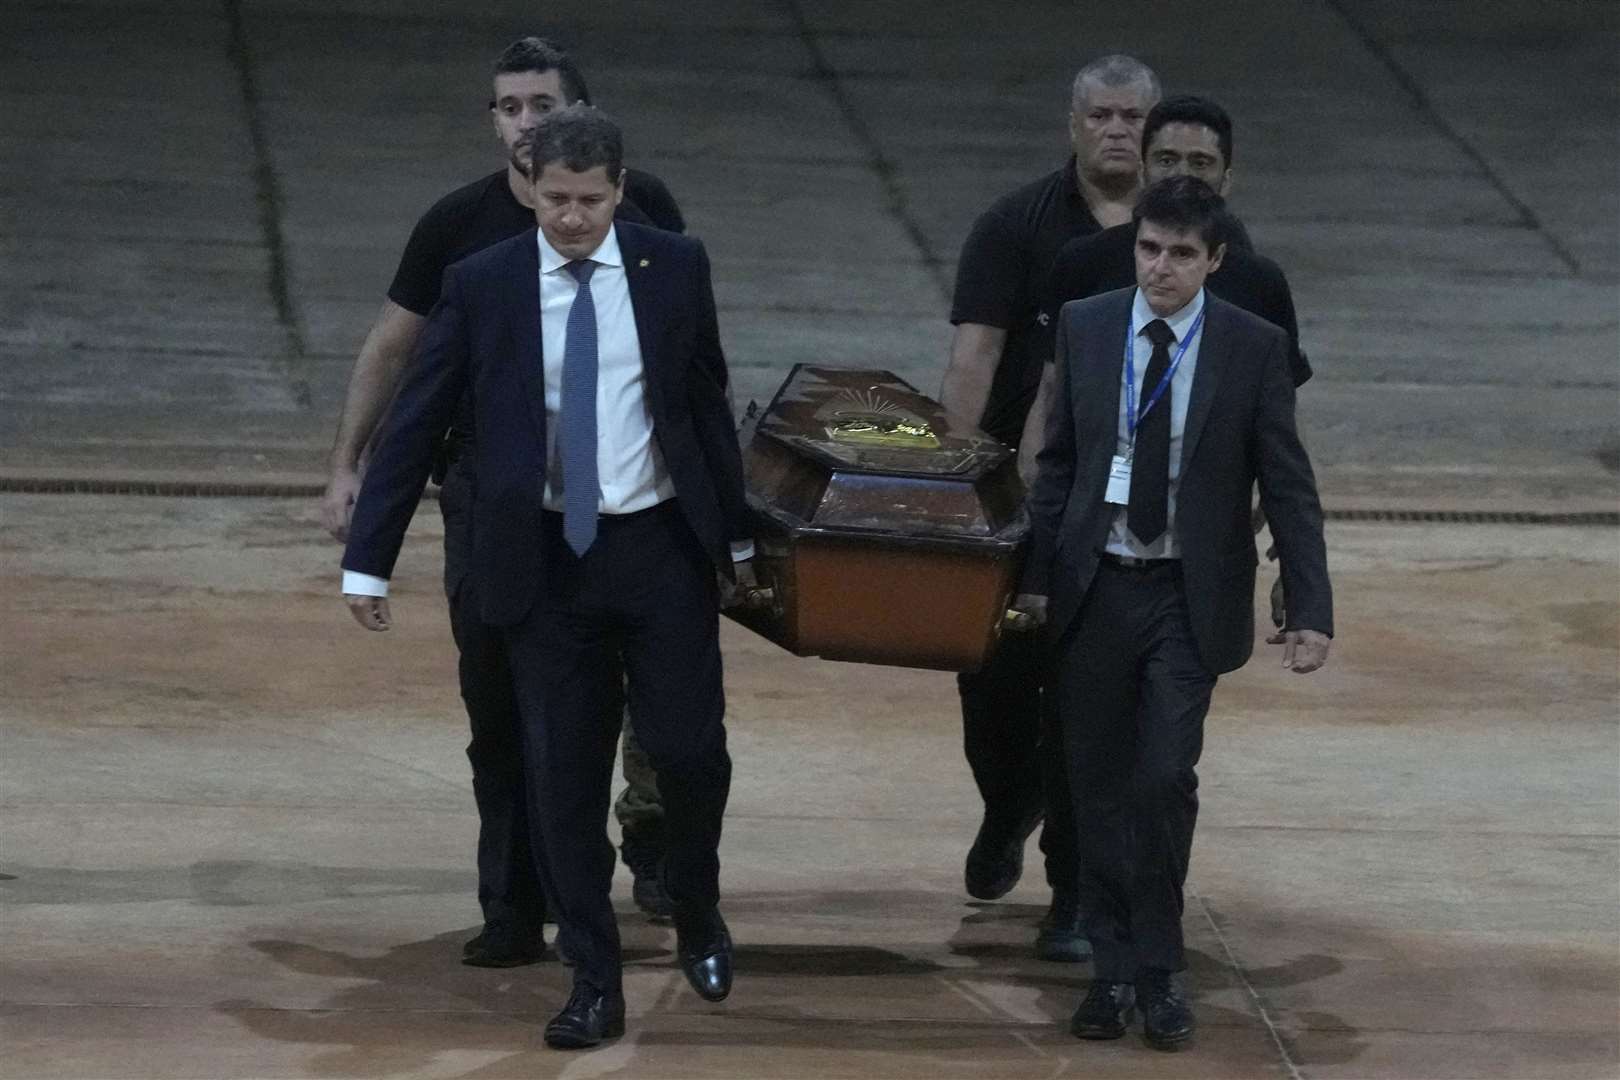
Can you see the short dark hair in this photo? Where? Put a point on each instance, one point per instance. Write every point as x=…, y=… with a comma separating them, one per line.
x=579, y=137
x=539, y=55
x=1185, y=204
x=1189, y=109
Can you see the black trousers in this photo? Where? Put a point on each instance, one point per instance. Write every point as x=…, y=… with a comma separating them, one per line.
x=509, y=890
x=1133, y=695
x=644, y=596
x=1012, y=738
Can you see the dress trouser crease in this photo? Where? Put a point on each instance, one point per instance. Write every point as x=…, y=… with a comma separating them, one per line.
x=641, y=600
x=1133, y=694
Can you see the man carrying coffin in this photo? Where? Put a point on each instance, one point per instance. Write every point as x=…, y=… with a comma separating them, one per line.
x=609, y=494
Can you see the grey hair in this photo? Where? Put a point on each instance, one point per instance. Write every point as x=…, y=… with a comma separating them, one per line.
x=1116, y=69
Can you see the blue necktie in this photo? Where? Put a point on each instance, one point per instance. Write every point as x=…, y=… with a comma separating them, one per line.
x=577, y=440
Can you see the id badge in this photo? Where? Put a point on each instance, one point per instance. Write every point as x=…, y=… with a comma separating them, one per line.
x=1119, y=482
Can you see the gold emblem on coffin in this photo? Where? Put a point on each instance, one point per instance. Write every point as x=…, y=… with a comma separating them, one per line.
x=867, y=418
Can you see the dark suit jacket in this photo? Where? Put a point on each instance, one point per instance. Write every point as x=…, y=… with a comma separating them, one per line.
x=1104, y=261
x=1239, y=430
x=484, y=334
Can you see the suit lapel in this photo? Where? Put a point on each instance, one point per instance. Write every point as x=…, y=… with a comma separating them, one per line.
x=643, y=276
x=1098, y=386
x=1206, y=377
x=523, y=313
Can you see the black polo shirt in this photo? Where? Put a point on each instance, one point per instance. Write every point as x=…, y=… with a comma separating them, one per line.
x=1106, y=261
x=1001, y=281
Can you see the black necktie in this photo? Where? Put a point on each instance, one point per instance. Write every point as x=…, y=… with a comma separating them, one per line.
x=1150, y=466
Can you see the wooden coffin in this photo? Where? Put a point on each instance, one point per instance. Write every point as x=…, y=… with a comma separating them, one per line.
x=887, y=531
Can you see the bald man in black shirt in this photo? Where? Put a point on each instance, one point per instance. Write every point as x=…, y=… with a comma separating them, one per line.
x=1010, y=743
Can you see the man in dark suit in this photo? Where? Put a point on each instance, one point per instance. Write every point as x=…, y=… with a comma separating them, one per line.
x=608, y=493
x=1172, y=404
x=531, y=77
x=1183, y=135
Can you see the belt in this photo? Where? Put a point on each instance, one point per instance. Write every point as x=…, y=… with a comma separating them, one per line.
x=554, y=517
x=1131, y=562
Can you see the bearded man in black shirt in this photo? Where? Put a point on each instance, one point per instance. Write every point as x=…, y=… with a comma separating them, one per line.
x=531, y=79
x=1013, y=750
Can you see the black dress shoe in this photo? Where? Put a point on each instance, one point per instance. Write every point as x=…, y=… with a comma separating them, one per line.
x=646, y=878
x=494, y=949
x=995, y=862
x=704, y=955
x=1167, y=1019
x=1062, y=936
x=1104, y=1012
x=589, y=1017
x=477, y=943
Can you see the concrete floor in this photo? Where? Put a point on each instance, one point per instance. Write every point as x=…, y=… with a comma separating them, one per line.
x=236, y=837
x=194, y=238
x=238, y=834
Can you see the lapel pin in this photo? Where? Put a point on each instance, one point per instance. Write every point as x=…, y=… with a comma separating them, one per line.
x=645, y=262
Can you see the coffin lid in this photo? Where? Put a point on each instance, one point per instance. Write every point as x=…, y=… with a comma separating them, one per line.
x=859, y=454
x=871, y=421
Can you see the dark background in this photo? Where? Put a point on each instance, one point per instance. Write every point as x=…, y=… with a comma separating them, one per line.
x=203, y=203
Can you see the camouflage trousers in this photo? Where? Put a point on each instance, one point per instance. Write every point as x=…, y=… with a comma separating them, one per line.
x=638, y=809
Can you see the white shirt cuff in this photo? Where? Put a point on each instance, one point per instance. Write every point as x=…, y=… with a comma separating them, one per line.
x=357, y=584
x=742, y=550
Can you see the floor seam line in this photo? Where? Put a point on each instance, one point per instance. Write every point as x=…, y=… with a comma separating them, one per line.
x=1254, y=995
x=886, y=170
x=1426, y=108
x=267, y=195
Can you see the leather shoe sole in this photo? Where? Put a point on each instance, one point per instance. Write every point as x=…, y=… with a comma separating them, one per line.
x=1089, y=1030
x=568, y=1036
x=589, y=1017
x=1168, y=1040
x=1168, y=1020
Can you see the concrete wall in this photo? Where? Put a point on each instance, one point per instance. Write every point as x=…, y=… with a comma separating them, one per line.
x=204, y=201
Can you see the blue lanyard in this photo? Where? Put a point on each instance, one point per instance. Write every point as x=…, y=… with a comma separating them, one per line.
x=1132, y=417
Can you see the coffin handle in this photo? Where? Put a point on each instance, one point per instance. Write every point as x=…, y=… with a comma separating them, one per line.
x=1017, y=622
x=759, y=598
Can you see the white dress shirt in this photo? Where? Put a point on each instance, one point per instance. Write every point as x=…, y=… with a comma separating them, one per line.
x=1121, y=541
x=629, y=465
